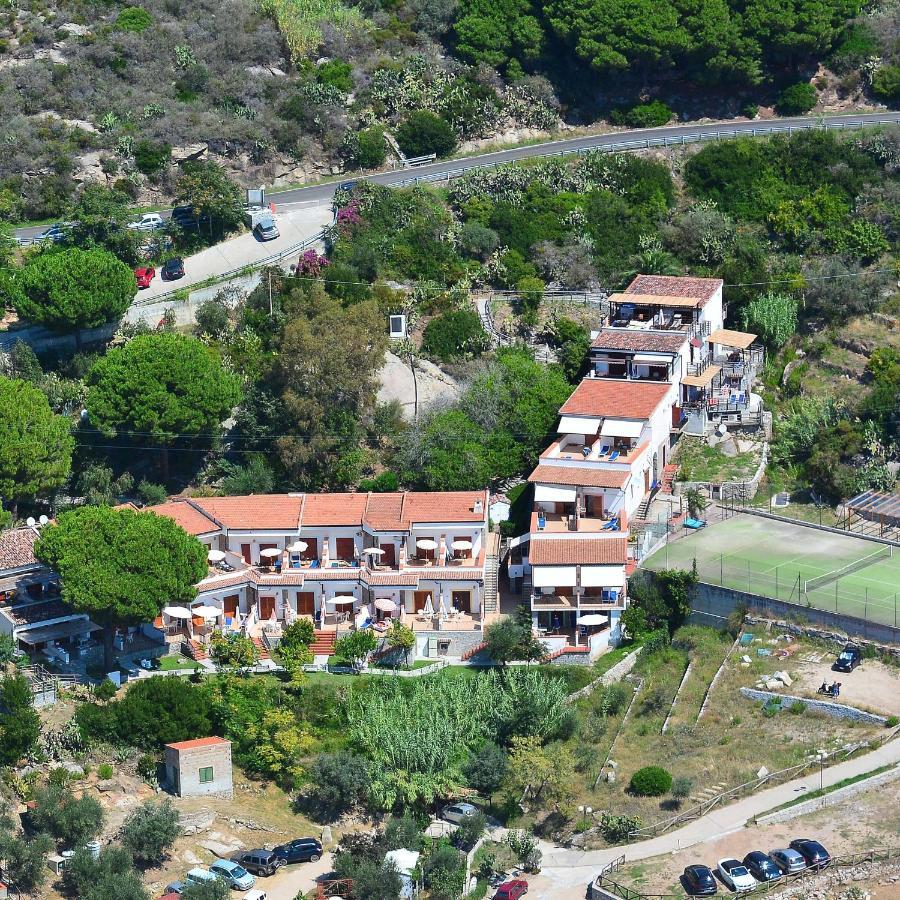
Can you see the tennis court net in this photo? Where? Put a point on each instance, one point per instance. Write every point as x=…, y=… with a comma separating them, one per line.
x=813, y=584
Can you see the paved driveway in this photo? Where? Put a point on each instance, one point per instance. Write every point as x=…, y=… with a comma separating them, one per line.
x=289, y=881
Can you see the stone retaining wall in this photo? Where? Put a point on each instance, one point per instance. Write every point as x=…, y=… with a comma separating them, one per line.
x=834, y=710
x=837, y=638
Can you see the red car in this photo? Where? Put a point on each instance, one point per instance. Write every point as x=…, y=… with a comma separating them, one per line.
x=144, y=276
x=512, y=890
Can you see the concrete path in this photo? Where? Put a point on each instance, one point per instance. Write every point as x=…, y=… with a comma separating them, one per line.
x=578, y=867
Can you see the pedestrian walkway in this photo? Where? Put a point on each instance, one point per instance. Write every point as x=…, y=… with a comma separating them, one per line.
x=578, y=866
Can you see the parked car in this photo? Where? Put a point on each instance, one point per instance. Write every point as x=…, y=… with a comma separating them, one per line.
x=144, y=276
x=850, y=658
x=266, y=229
x=175, y=887
x=233, y=874
x=736, y=875
x=256, y=895
x=148, y=222
x=260, y=862
x=173, y=269
x=761, y=866
x=788, y=860
x=512, y=889
x=55, y=233
x=299, y=850
x=816, y=856
x=198, y=875
x=458, y=812
x=699, y=881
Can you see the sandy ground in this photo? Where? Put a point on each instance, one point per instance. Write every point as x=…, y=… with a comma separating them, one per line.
x=433, y=385
x=872, y=685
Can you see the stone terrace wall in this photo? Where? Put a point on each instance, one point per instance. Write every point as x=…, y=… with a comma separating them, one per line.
x=834, y=710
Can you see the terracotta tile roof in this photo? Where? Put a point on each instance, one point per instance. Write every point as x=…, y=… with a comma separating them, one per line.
x=198, y=742
x=444, y=506
x=17, y=548
x=246, y=576
x=675, y=286
x=597, y=551
x=450, y=575
x=386, y=579
x=584, y=476
x=618, y=399
x=254, y=512
x=187, y=516
x=628, y=339
x=333, y=509
x=384, y=512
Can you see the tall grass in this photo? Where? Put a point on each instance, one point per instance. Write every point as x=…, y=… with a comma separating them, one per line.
x=300, y=21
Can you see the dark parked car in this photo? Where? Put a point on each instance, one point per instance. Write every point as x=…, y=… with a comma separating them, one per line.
x=512, y=890
x=173, y=269
x=260, y=862
x=300, y=850
x=788, y=860
x=761, y=866
x=816, y=856
x=699, y=881
x=850, y=658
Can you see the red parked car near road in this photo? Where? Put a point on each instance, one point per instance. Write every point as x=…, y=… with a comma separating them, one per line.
x=144, y=276
x=512, y=890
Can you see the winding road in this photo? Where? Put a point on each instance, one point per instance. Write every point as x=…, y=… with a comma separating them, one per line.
x=621, y=140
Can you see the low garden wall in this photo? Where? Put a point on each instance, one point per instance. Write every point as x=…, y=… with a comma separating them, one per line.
x=828, y=708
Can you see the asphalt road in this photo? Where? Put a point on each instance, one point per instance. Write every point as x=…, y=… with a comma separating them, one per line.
x=322, y=193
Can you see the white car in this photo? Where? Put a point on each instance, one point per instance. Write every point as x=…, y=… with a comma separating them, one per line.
x=457, y=813
x=736, y=875
x=148, y=222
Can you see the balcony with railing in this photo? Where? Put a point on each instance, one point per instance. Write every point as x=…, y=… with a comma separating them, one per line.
x=574, y=599
x=603, y=450
x=568, y=521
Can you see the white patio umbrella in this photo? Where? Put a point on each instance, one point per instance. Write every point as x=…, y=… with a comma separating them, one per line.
x=177, y=612
x=298, y=547
x=426, y=544
x=373, y=551
x=461, y=545
x=270, y=552
x=593, y=619
x=385, y=604
x=206, y=612
x=442, y=609
x=215, y=556
x=428, y=611
x=342, y=599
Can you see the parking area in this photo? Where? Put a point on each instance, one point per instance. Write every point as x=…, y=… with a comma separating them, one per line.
x=873, y=685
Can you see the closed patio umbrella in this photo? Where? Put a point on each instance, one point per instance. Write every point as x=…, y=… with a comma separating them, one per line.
x=442, y=609
x=428, y=610
x=593, y=619
x=215, y=556
x=177, y=612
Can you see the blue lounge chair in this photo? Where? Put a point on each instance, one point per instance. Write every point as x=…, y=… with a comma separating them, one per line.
x=695, y=523
x=314, y=564
x=603, y=450
x=611, y=525
x=613, y=456
x=542, y=522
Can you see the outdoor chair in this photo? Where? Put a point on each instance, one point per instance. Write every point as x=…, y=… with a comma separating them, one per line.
x=613, y=456
x=604, y=450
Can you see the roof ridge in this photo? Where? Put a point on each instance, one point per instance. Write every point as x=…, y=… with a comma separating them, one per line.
x=205, y=513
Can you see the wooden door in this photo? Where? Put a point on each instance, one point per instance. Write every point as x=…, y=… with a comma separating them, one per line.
x=306, y=603
x=312, y=548
x=230, y=605
x=462, y=600
x=594, y=506
x=344, y=548
x=245, y=553
x=419, y=599
x=389, y=557
x=647, y=481
x=266, y=607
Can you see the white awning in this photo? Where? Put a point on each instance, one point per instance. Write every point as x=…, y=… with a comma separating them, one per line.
x=621, y=428
x=603, y=576
x=578, y=425
x=553, y=576
x=644, y=359
x=555, y=493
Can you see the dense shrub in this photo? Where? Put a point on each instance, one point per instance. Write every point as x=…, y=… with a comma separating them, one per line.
x=425, y=132
x=371, y=148
x=797, y=99
x=337, y=73
x=618, y=828
x=886, y=83
x=455, y=335
x=651, y=781
x=134, y=19
x=643, y=115
x=152, y=157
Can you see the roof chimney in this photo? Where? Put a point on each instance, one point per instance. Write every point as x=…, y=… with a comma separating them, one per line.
x=478, y=507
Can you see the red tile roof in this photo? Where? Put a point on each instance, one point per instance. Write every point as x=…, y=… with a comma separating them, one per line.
x=446, y=506
x=187, y=516
x=618, y=399
x=198, y=742
x=584, y=476
x=628, y=339
x=596, y=551
x=675, y=286
x=17, y=548
x=254, y=512
x=384, y=512
x=333, y=509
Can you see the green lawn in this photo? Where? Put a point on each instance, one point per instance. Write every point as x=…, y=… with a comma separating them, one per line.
x=173, y=662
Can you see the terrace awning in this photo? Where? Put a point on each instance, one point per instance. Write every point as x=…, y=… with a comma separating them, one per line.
x=56, y=632
x=602, y=576
x=553, y=576
x=724, y=337
x=704, y=378
x=645, y=359
x=578, y=425
x=555, y=493
x=881, y=507
x=621, y=428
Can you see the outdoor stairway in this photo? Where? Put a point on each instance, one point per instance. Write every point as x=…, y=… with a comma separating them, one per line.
x=196, y=651
x=668, y=479
x=491, y=568
x=640, y=514
x=261, y=647
x=323, y=643
x=472, y=651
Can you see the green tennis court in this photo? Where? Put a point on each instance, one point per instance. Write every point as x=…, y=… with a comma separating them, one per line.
x=778, y=559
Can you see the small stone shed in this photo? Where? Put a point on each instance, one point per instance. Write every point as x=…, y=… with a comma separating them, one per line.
x=200, y=767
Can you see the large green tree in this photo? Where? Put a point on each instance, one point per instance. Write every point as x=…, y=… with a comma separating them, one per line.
x=207, y=189
x=495, y=31
x=35, y=444
x=167, y=389
x=101, y=216
x=71, y=289
x=20, y=725
x=121, y=566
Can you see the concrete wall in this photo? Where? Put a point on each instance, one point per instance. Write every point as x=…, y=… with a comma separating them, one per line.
x=189, y=762
x=826, y=707
x=712, y=603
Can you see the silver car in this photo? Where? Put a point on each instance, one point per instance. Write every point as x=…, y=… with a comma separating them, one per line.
x=457, y=813
x=789, y=861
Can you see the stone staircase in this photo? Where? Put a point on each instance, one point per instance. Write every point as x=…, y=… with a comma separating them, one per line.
x=195, y=651
x=261, y=647
x=640, y=514
x=668, y=479
x=473, y=651
x=491, y=574
x=323, y=643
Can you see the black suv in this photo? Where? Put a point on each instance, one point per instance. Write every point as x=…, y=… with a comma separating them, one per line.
x=300, y=850
x=816, y=856
x=761, y=866
x=260, y=862
x=850, y=658
x=699, y=881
